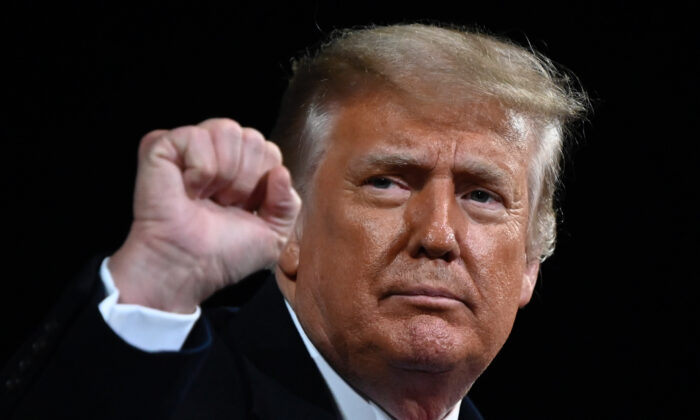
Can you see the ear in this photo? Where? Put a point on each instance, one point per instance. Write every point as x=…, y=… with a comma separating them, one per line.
x=529, y=280
x=289, y=259
x=287, y=266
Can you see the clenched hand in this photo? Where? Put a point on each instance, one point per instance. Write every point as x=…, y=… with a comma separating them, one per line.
x=213, y=204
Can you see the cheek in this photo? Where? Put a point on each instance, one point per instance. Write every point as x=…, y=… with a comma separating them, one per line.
x=496, y=261
x=368, y=238
x=342, y=258
x=345, y=247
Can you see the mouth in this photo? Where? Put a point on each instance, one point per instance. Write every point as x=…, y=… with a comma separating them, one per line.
x=426, y=297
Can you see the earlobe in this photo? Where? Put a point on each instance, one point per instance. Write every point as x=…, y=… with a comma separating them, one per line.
x=287, y=266
x=289, y=259
x=529, y=280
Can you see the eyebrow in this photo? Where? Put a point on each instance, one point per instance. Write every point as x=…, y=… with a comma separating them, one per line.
x=472, y=166
x=485, y=170
x=392, y=160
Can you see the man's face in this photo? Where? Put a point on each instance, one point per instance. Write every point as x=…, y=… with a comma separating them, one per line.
x=412, y=251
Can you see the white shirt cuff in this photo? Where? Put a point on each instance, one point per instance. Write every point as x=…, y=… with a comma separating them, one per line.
x=145, y=328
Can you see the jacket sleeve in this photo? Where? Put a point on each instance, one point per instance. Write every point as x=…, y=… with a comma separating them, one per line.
x=74, y=366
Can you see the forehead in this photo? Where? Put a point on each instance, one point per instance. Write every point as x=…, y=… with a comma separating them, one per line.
x=384, y=121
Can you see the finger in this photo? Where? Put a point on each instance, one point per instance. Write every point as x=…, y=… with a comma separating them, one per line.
x=196, y=156
x=148, y=148
x=226, y=137
x=282, y=203
x=148, y=139
x=250, y=169
x=272, y=158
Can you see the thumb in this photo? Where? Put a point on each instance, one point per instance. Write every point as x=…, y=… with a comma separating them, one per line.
x=282, y=203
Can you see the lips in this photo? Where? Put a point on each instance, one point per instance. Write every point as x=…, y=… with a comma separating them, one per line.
x=429, y=284
x=426, y=296
x=429, y=292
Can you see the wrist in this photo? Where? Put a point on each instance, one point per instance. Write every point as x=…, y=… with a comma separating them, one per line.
x=156, y=275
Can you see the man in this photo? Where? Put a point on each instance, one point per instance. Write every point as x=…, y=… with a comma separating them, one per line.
x=426, y=160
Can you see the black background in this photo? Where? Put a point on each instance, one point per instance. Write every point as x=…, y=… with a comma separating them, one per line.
x=612, y=330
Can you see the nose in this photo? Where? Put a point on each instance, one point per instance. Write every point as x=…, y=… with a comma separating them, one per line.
x=436, y=223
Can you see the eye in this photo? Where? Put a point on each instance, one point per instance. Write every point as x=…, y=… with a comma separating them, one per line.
x=380, y=182
x=384, y=190
x=480, y=196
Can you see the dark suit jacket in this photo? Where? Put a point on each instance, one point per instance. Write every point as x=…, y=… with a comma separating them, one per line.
x=247, y=363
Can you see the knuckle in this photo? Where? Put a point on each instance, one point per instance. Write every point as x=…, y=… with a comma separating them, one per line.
x=196, y=133
x=253, y=138
x=274, y=152
x=197, y=145
x=188, y=136
x=155, y=144
x=244, y=184
x=225, y=174
x=227, y=146
x=152, y=135
x=149, y=139
x=208, y=164
x=222, y=127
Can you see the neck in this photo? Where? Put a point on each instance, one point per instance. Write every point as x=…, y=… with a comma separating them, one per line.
x=403, y=393
x=412, y=395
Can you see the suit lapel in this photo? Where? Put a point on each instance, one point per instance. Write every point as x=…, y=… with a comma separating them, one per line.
x=468, y=411
x=285, y=382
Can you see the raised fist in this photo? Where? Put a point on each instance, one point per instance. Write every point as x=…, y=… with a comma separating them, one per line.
x=212, y=204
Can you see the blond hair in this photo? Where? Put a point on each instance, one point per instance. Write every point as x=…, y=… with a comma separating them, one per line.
x=458, y=66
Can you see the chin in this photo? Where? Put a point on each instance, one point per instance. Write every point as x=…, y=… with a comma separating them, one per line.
x=430, y=344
